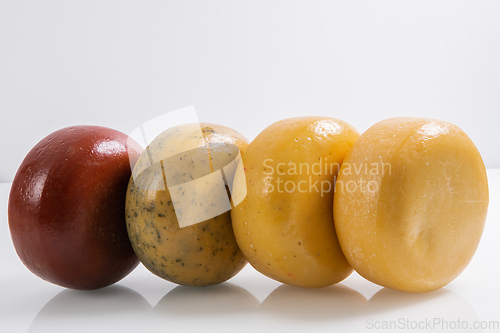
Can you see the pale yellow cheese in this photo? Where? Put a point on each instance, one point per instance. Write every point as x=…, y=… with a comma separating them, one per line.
x=410, y=203
x=284, y=226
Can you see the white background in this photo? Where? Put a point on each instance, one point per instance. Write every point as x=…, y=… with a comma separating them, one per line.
x=246, y=64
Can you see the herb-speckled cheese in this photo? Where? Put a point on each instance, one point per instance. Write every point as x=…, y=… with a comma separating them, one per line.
x=201, y=254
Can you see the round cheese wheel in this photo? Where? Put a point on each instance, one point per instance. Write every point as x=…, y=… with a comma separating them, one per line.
x=177, y=205
x=410, y=203
x=284, y=226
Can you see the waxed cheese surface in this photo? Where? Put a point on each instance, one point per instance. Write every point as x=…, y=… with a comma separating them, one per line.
x=410, y=203
x=284, y=226
x=178, y=206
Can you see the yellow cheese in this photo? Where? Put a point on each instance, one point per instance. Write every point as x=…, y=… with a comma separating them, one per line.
x=410, y=203
x=284, y=226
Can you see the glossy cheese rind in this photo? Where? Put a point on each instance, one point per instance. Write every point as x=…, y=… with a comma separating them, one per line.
x=67, y=207
x=410, y=203
x=201, y=254
x=287, y=234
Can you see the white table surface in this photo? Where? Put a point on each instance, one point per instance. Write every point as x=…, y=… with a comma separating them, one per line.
x=249, y=301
